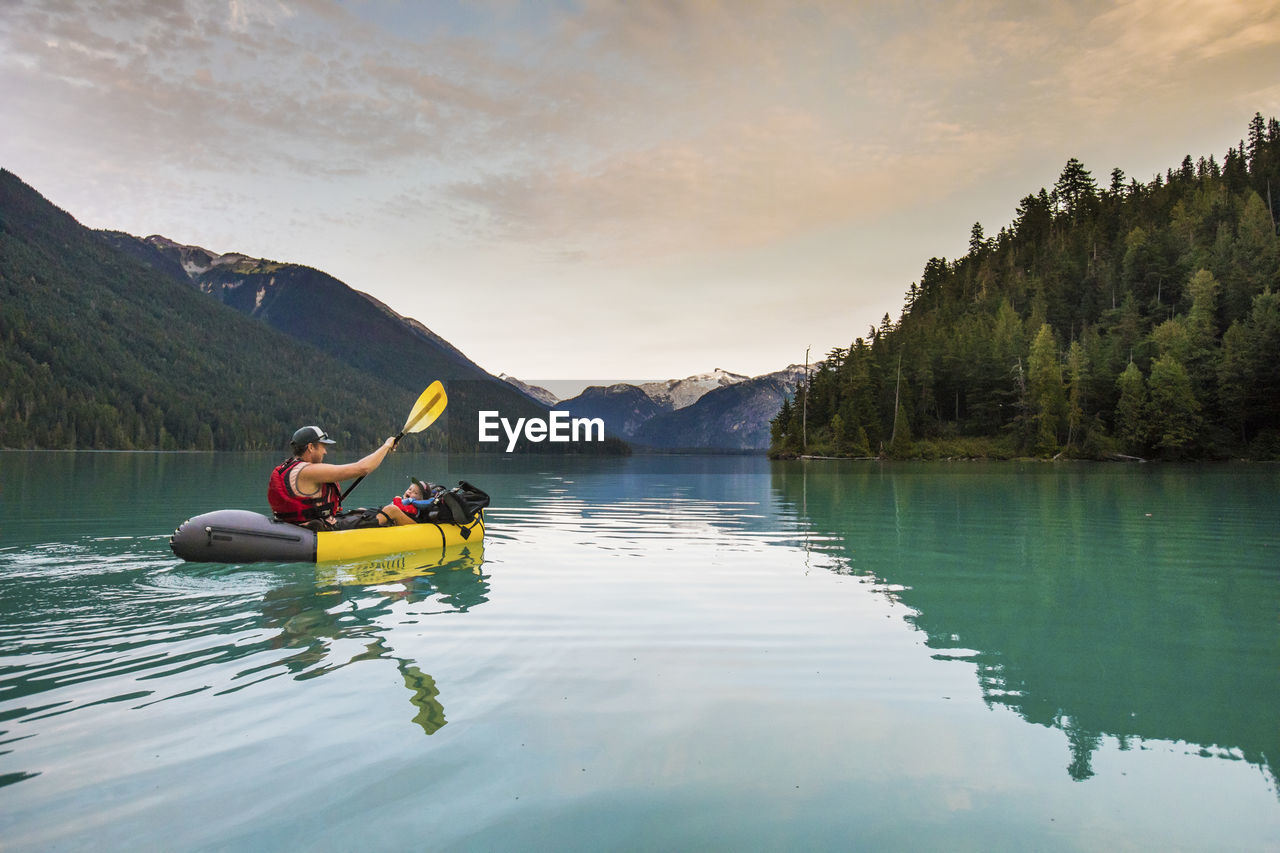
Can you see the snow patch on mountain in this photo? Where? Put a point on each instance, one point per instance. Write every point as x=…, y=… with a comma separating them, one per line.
x=537, y=392
x=195, y=260
x=675, y=394
x=792, y=375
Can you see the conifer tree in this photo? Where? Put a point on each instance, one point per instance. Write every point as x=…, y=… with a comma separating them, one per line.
x=1131, y=411
x=838, y=437
x=977, y=243
x=1117, y=181
x=900, y=446
x=1076, y=378
x=779, y=426
x=1075, y=189
x=1202, y=334
x=1048, y=397
x=860, y=446
x=1174, y=410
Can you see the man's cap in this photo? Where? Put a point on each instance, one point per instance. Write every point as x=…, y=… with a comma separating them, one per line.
x=307, y=435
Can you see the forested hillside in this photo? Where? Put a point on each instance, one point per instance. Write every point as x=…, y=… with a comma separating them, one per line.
x=1125, y=318
x=315, y=308
x=100, y=351
x=112, y=342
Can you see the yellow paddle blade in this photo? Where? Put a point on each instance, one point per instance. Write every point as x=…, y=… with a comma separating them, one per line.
x=430, y=406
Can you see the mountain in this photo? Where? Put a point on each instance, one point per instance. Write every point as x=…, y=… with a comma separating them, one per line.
x=538, y=393
x=353, y=327
x=678, y=393
x=734, y=416
x=714, y=411
x=624, y=408
x=99, y=350
x=110, y=341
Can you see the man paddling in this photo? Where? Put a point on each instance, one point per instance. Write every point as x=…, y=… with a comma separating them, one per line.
x=303, y=489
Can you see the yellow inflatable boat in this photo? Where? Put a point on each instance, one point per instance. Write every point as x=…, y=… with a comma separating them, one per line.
x=240, y=536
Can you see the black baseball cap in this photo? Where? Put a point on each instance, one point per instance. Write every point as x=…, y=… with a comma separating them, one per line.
x=307, y=435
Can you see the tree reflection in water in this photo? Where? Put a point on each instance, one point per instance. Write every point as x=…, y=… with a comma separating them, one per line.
x=1097, y=600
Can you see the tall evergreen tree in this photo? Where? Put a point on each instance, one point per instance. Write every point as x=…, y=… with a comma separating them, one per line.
x=1174, y=411
x=1048, y=397
x=977, y=243
x=1131, y=412
x=1075, y=189
x=1076, y=384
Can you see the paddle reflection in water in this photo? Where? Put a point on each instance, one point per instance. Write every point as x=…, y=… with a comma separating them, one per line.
x=350, y=599
x=1104, y=602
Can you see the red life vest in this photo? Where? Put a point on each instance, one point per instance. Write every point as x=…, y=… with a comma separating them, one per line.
x=289, y=506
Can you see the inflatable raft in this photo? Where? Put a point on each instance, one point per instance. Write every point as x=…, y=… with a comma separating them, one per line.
x=453, y=572
x=240, y=536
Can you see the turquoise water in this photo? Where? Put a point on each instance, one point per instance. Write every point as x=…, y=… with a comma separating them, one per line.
x=653, y=653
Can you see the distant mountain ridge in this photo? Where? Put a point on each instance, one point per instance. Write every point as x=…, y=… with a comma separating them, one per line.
x=624, y=408
x=720, y=411
x=678, y=393
x=734, y=416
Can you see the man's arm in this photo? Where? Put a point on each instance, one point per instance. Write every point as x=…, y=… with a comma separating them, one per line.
x=311, y=476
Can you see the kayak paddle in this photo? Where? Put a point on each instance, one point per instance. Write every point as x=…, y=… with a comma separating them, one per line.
x=430, y=405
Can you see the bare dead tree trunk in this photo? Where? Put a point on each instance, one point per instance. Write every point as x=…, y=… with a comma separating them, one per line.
x=896, y=389
x=804, y=417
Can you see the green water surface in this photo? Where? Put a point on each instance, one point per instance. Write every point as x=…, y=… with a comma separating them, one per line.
x=656, y=653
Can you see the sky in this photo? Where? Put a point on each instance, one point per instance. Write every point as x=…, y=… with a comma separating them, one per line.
x=606, y=189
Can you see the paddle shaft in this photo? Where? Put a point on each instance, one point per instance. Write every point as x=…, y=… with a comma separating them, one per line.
x=352, y=487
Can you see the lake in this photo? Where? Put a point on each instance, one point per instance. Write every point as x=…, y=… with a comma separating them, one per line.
x=653, y=653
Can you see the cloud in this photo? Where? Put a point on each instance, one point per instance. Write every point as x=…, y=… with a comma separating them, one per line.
x=1146, y=46
x=717, y=131
x=606, y=127
x=212, y=86
x=737, y=186
x=246, y=14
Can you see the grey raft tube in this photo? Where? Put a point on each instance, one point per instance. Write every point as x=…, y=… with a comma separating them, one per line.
x=240, y=536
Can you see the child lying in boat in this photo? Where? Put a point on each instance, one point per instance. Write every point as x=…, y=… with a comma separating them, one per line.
x=429, y=503
x=410, y=507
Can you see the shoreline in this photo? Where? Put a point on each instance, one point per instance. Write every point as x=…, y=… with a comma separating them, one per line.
x=1118, y=459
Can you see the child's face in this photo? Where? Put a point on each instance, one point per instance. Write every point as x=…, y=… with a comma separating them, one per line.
x=413, y=493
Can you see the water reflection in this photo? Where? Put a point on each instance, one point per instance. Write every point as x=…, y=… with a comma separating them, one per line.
x=629, y=506
x=354, y=600
x=1103, y=602
x=111, y=614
